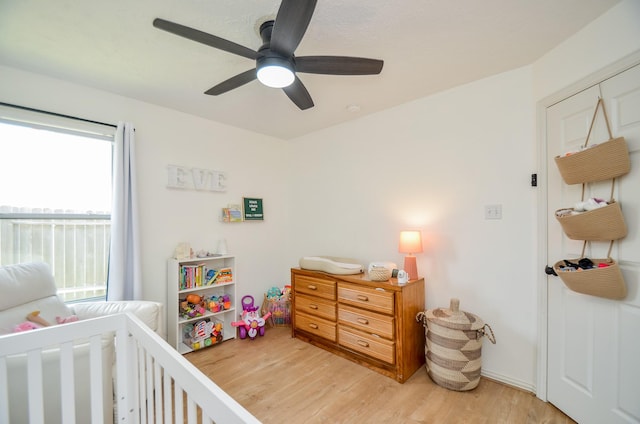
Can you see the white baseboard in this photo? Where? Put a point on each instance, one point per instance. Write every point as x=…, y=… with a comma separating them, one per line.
x=518, y=384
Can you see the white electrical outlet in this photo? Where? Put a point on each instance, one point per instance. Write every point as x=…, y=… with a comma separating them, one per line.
x=493, y=212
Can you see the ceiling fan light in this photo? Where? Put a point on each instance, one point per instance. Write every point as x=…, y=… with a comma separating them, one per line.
x=275, y=73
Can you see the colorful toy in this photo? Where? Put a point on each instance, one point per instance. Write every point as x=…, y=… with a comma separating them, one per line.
x=194, y=299
x=203, y=334
x=213, y=304
x=25, y=326
x=274, y=293
x=226, y=301
x=37, y=319
x=64, y=320
x=191, y=310
x=218, y=303
x=276, y=301
x=251, y=323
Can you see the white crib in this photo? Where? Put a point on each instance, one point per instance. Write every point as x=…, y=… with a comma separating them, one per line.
x=152, y=382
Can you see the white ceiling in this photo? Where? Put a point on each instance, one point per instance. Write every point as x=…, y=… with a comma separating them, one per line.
x=427, y=46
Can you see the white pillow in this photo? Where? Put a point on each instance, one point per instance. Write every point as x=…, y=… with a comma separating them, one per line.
x=331, y=265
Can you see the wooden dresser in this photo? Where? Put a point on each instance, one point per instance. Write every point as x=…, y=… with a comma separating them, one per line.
x=369, y=322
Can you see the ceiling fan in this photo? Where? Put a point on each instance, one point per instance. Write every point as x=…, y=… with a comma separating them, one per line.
x=276, y=64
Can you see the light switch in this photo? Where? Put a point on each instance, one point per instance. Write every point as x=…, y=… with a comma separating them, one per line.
x=493, y=212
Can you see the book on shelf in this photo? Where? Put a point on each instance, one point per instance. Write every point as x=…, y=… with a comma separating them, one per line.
x=192, y=276
x=225, y=275
x=210, y=276
x=187, y=276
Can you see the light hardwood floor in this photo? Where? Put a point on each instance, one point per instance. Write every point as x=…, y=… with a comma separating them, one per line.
x=284, y=380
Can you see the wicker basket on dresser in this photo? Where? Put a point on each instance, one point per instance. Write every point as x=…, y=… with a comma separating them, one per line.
x=369, y=322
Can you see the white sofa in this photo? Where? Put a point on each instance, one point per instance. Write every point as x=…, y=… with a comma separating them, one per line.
x=25, y=288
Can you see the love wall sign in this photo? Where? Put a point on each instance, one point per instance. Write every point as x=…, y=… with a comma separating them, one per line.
x=186, y=178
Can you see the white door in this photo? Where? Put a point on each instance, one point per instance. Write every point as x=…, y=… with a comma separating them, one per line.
x=593, y=352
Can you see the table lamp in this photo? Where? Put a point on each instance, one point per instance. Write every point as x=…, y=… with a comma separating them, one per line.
x=410, y=243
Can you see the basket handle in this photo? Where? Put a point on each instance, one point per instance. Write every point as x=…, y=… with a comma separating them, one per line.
x=613, y=183
x=599, y=105
x=584, y=246
x=490, y=335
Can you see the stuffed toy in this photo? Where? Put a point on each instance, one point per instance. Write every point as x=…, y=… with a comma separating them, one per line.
x=64, y=320
x=25, y=326
x=35, y=321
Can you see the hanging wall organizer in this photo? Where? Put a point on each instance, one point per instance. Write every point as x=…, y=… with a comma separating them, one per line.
x=606, y=160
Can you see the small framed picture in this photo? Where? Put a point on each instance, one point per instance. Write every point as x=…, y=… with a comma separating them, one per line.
x=232, y=213
x=252, y=209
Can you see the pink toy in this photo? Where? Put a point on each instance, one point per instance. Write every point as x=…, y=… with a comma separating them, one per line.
x=213, y=305
x=25, y=326
x=64, y=320
x=191, y=310
x=251, y=324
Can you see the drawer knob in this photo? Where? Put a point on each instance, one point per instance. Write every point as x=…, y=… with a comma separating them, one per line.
x=313, y=306
x=312, y=287
x=363, y=321
x=362, y=297
x=363, y=343
x=314, y=326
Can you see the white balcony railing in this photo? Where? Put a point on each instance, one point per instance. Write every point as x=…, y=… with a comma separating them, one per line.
x=75, y=245
x=153, y=383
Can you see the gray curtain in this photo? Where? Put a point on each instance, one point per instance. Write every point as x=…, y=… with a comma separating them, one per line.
x=124, y=280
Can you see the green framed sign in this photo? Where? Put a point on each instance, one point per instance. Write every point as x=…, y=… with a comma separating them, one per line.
x=252, y=208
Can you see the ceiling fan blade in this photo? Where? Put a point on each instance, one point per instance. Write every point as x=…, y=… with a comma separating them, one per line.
x=338, y=65
x=290, y=25
x=298, y=94
x=204, y=38
x=233, y=82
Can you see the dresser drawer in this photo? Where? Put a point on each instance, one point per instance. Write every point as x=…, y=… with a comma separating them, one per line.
x=377, y=300
x=315, y=287
x=365, y=320
x=316, y=306
x=314, y=325
x=376, y=347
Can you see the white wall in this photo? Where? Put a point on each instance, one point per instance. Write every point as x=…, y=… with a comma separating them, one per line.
x=434, y=164
x=609, y=38
x=255, y=166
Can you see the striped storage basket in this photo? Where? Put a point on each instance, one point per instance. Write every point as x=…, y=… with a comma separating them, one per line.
x=453, y=346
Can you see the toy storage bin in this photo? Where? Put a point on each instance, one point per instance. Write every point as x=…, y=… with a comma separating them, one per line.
x=602, y=224
x=453, y=346
x=203, y=333
x=280, y=311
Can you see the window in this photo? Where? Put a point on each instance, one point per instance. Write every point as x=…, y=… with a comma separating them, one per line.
x=55, y=198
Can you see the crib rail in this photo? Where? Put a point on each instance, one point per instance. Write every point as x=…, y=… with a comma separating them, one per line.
x=153, y=383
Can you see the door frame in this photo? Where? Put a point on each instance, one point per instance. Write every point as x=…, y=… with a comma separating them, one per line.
x=597, y=77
